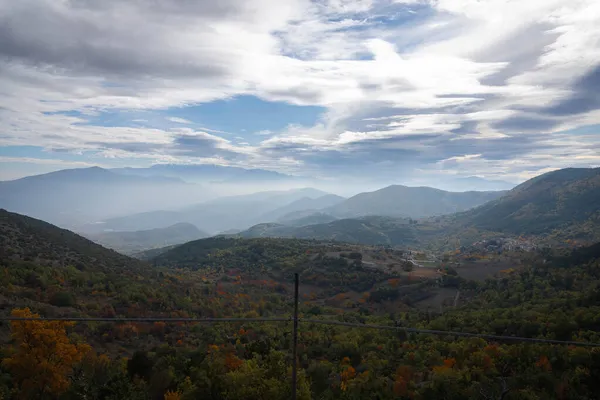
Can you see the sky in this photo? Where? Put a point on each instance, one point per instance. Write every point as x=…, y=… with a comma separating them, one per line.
x=336, y=89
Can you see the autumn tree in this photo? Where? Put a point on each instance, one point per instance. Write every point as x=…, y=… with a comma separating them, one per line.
x=43, y=357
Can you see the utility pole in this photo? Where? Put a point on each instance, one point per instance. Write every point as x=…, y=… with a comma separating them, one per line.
x=295, y=339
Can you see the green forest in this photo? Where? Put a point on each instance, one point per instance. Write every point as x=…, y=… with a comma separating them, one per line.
x=553, y=294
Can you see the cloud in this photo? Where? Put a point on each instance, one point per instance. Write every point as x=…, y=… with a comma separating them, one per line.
x=410, y=84
x=46, y=161
x=179, y=120
x=584, y=96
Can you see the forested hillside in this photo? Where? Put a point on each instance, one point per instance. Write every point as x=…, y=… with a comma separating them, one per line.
x=366, y=230
x=546, y=294
x=564, y=203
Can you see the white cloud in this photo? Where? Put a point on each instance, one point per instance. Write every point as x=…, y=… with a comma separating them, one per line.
x=465, y=70
x=179, y=120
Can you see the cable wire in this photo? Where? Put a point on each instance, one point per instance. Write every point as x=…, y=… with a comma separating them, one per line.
x=157, y=319
x=450, y=333
x=313, y=321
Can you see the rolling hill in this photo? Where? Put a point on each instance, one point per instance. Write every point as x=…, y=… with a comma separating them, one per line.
x=410, y=202
x=25, y=239
x=372, y=230
x=306, y=217
x=138, y=241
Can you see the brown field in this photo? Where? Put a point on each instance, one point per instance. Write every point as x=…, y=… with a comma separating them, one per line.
x=483, y=269
x=423, y=272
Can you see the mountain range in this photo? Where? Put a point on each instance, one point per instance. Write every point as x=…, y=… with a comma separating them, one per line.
x=215, y=216
x=207, y=173
x=286, y=207
x=554, y=207
x=410, y=202
x=83, y=195
x=559, y=205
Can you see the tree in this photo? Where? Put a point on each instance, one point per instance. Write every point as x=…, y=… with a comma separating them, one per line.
x=44, y=356
x=173, y=395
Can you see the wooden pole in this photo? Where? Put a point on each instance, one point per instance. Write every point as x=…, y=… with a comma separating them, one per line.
x=295, y=340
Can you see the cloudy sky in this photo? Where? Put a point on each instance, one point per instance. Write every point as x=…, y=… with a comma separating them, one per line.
x=503, y=89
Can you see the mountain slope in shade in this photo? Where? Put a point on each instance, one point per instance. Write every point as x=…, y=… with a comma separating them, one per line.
x=410, y=202
x=564, y=202
x=27, y=239
x=306, y=217
x=372, y=230
x=76, y=196
x=138, y=241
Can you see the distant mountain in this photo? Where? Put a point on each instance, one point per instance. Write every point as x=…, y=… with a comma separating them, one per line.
x=75, y=196
x=257, y=175
x=206, y=173
x=225, y=213
x=138, y=241
x=565, y=203
x=303, y=204
x=551, y=208
x=27, y=239
x=409, y=202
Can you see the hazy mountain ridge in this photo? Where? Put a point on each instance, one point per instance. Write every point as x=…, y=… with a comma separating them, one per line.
x=302, y=205
x=410, y=202
x=206, y=173
x=132, y=242
x=554, y=207
x=83, y=195
x=222, y=214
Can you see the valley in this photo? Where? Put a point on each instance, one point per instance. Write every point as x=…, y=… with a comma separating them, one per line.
x=299, y=200
x=443, y=272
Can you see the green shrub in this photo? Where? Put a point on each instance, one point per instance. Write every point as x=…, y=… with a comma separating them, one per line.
x=63, y=299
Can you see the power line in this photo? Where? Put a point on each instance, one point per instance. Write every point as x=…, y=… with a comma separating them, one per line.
x=450, y=333
x=313, y=321
x=157, y=319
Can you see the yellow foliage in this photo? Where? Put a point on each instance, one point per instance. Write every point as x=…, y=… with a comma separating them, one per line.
x=44, y=356
x=173, y=395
